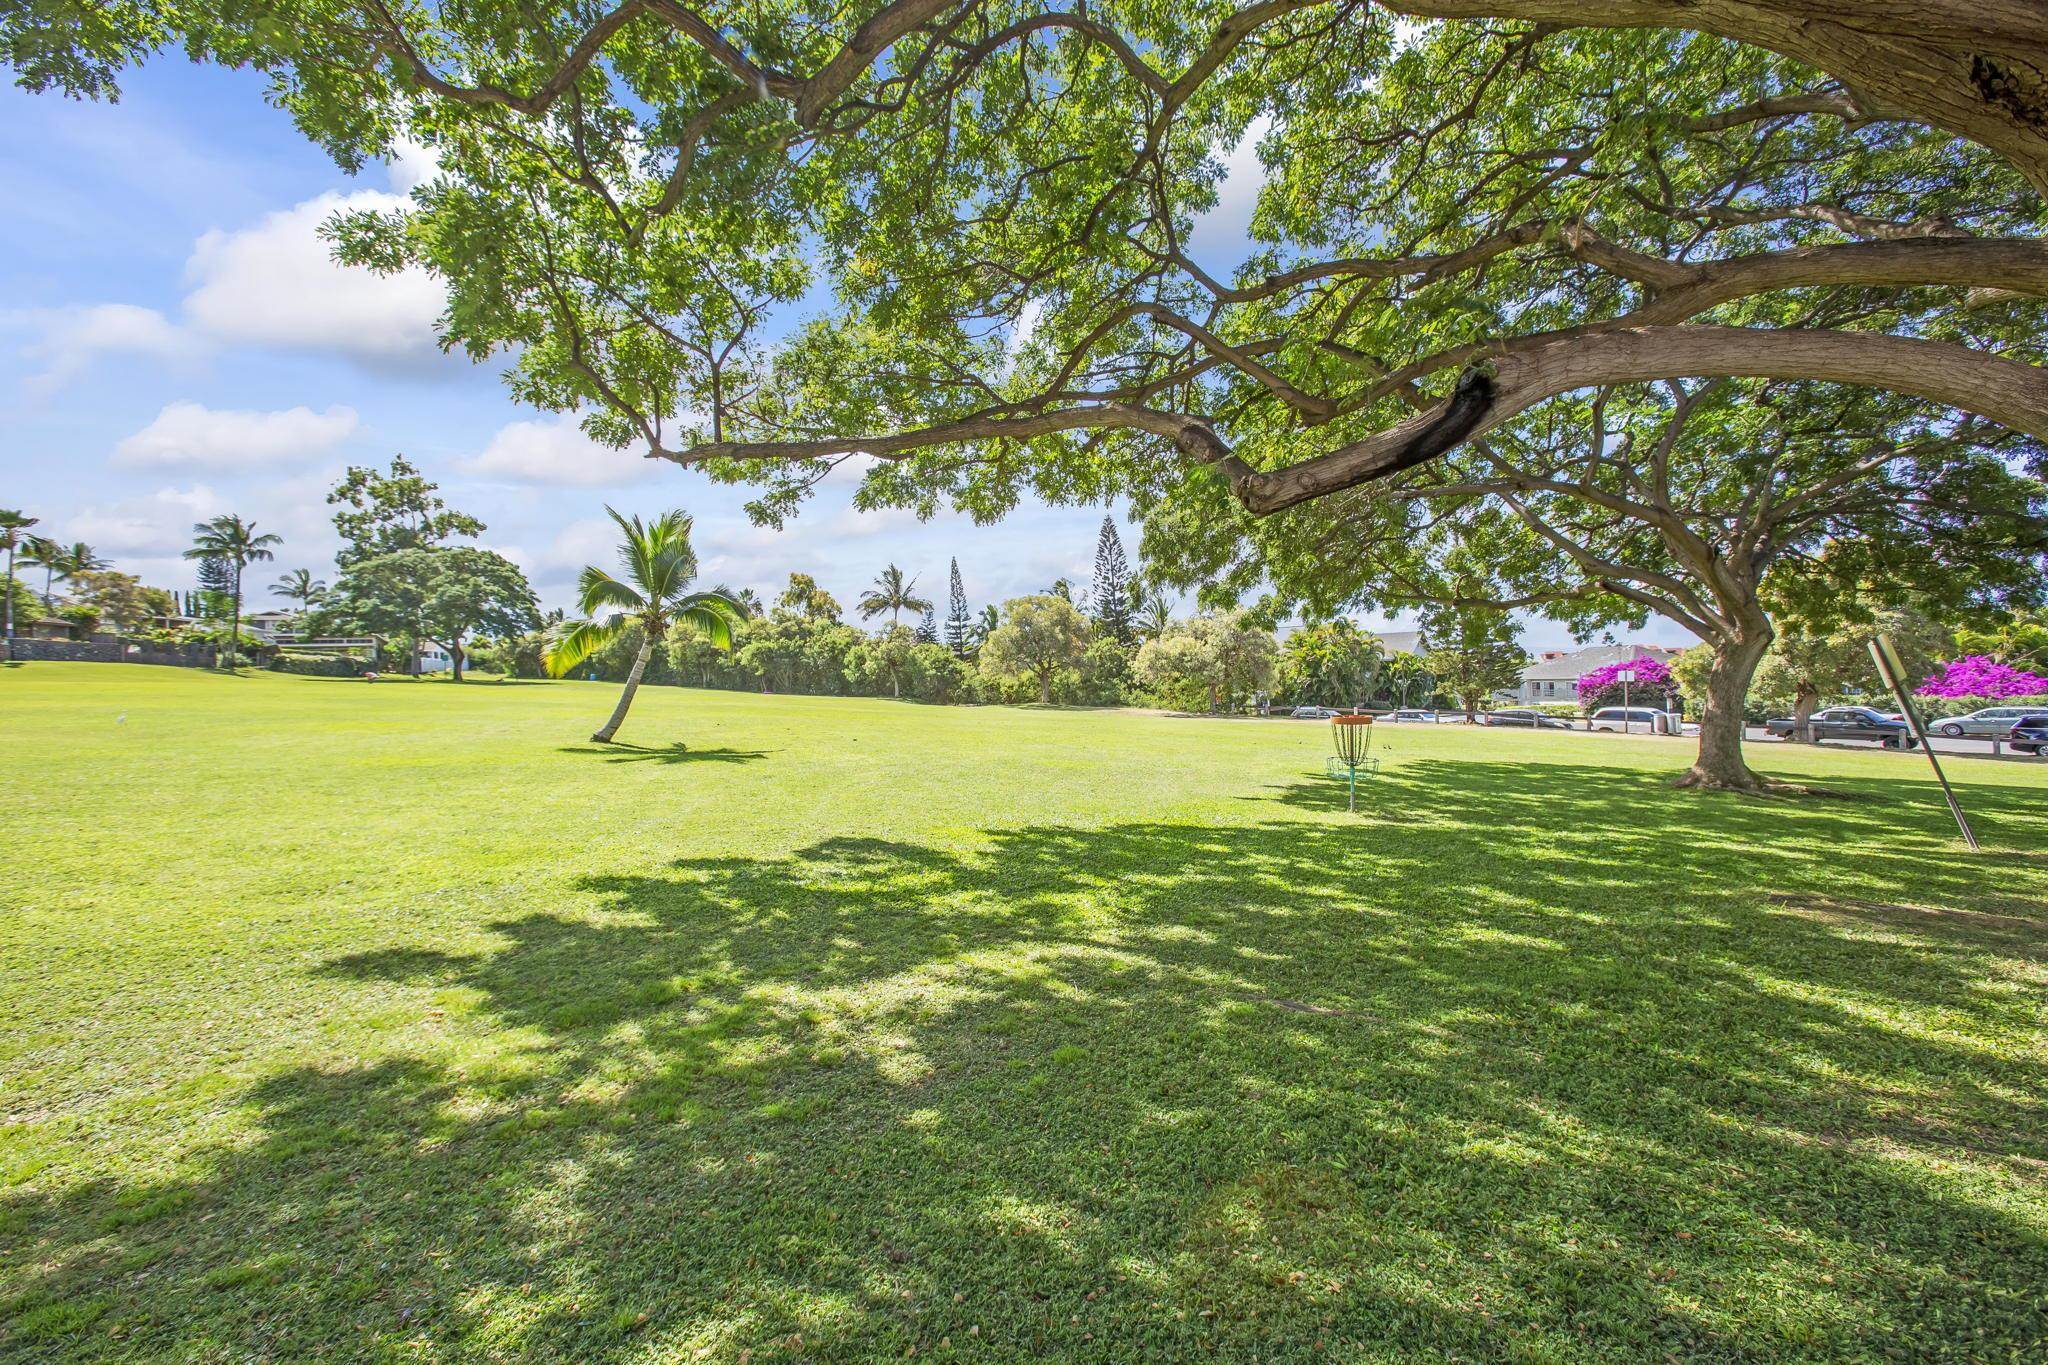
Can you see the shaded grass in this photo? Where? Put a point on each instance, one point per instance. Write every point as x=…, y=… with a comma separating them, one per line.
x=380, y=1022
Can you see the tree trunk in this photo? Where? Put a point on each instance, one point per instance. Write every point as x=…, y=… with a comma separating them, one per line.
x=1720, y=766
x=611, y=727
x=1045, y=687
x=1805, y=701
x=10, y=592
x=456, y=656
x=235, y=626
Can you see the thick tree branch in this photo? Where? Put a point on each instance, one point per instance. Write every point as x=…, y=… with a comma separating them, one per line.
x=1978, y=68
x=2009, y=392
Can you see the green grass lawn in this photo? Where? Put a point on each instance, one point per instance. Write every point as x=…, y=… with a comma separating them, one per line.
x=399, y=1022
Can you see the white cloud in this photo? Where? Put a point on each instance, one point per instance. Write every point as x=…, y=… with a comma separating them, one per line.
x=190, y=435
x=590, y=540
x=412, y=164
x=156, y=525
x=277, y=284
x=554, y=450
x=70, y=339
x=1222, y=236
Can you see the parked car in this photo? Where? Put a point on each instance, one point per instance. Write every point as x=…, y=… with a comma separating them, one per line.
x=1420, y=717
x=1311, y=713
x=1534, y=720
x=1850, y=722
x=1993, y=722
x=1643, y=720
x=2030, y=734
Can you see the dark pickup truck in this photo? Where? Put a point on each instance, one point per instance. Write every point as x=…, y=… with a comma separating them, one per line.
x=1850, y=722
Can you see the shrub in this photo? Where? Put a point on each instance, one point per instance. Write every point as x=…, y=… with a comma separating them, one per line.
x=318, y=665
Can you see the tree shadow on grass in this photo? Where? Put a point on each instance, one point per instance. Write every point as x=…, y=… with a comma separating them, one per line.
x=1564, y=1065
x=678, y=752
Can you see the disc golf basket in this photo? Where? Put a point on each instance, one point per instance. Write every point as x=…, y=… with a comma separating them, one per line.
x=1353, y=737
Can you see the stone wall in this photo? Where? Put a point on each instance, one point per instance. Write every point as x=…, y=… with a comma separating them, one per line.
x=108, y=650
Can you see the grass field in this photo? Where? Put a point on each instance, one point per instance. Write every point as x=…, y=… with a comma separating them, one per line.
x=399, y=1022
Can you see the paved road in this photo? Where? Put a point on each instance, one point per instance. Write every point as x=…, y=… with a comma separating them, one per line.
x=1965, y=748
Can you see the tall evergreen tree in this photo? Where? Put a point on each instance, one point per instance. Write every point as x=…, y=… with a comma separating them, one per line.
x=959, y=621
x=928, y=627
x=215, y=575
x=1110, y=593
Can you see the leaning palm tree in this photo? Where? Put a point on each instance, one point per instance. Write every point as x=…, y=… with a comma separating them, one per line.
x=892, y=593
x=49, y=555
x=659, y=565
x=235, y=543
x=12, y=524
x=301, y=587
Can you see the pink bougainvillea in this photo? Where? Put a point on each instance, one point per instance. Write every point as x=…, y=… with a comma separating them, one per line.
x=1978, y=676
x=1651, y=676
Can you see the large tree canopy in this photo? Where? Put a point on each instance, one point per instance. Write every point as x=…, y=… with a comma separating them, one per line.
x=1466, y=218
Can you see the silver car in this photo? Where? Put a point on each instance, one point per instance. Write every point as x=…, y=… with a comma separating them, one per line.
x=1993, y=722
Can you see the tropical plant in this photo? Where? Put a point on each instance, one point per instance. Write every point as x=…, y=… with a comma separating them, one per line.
x=73, y=560
x=12, y=525
x=654, y=595
x=892, y=593
x=301, y=587
x=1331, y=663
x=1152, y=616
x=47, y=555
x=235, y=543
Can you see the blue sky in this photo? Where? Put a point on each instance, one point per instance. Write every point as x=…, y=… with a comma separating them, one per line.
x=174, y=344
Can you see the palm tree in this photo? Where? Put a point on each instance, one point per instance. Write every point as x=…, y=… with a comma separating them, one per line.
x=1153, y=616
x=892, y=594
x=50, y=555
x=12, y=524
x=78, y=558
x=235, y=543
x=659, y=565
x=301, y=587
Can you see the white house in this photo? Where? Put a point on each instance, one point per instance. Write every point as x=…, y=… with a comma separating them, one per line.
x=1551, y=676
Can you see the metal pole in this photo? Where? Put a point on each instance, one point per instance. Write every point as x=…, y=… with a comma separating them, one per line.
x=1627, y=717
x=1893, y=670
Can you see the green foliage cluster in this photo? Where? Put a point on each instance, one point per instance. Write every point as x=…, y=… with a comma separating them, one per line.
x=317, y=665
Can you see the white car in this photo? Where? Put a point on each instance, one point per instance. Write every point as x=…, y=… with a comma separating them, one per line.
x=1421, y=717
x=1641, y=720
x=1311, y=713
